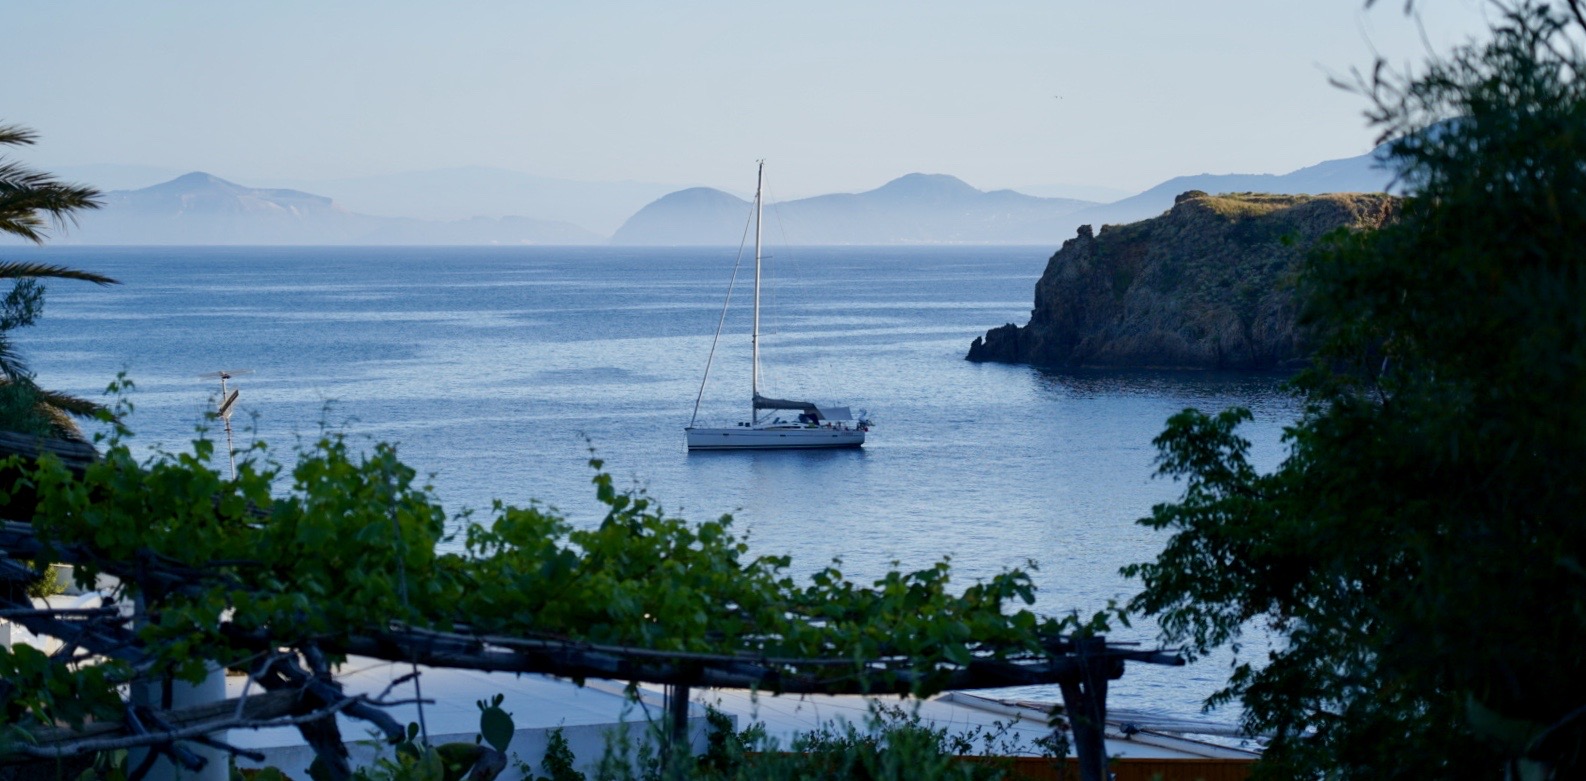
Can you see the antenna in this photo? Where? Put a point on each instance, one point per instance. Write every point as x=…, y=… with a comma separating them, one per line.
x=228, y=402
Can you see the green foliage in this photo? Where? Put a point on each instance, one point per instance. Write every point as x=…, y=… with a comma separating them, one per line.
x=495, y=724
x=36, y=691
x=558, y=760
x=893, y=743
x=1420, y=549
x=112, y=766
x=48, y=585
x=20, y=409
x=726, y=748
x=258, y=774
x=643, y=578
x=326, y=558
x=413, y=760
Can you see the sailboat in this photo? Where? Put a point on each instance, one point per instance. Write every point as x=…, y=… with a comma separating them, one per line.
x=802, y=425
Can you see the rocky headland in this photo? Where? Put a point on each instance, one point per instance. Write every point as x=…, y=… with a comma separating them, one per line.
x=1207, y=285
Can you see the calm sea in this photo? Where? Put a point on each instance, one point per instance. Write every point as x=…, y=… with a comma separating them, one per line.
x=499, y=370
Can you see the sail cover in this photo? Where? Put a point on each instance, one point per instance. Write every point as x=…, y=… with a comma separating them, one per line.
x=820, y=413
x=761, y=402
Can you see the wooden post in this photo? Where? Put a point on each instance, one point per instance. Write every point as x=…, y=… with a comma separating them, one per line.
x=1085, y=702
x=677, y=742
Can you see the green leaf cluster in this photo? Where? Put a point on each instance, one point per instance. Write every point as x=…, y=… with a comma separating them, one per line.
x=645, y=579
x=37, y=691
x=891, y=742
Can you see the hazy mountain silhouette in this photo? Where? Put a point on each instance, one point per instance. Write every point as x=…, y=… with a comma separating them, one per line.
x=1363, y=174
x=913, y=209
x=698, y=215
x=117, y=176
x=199, y=208
x=476, y=191
x=482, y=206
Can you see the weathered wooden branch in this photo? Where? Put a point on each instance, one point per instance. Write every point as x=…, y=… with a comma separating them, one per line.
x=269, y=709
x=571, y=659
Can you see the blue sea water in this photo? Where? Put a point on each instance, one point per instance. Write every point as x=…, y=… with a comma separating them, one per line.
x=499, y=370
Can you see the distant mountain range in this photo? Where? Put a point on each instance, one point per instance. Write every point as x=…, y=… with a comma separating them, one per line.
x=483, y=206
x=914, y=209
x=476, y=191
x=198, y=208
x=935, y=209
x=1363, y=174
x=444, y=194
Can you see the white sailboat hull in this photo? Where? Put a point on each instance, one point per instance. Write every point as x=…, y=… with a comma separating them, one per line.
x=773, y=438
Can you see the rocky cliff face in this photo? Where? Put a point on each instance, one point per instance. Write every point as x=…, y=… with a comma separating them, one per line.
x=1208, y=285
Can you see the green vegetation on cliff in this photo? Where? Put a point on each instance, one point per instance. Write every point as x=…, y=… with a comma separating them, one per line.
x=1209, y=284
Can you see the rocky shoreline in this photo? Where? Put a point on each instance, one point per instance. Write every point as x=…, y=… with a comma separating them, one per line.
x=1207, y=285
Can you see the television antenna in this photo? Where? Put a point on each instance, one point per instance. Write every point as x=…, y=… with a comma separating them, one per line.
x=228, y=402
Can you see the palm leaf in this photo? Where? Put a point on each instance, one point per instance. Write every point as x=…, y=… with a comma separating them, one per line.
x=16, y=135
x=67, y=403
x=24, y=270
x=56, y=410
x=28, y=197
x=23, y=205
x=12, y=365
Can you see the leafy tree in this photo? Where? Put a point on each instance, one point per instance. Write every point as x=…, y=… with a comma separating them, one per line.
x=1421, y=551
x=29, y=202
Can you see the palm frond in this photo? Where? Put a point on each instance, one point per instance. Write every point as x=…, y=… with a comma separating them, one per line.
x=61, y=424
x=22, y=185
x=16, y=176
x=12, y=366
x=27, y=196
x=24, y=200
x=23, y=270
x=53, y=410
x=67, y=403
x=16, y=135
x=23, y=223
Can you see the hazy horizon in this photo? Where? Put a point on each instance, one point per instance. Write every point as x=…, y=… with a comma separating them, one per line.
x=841, y=98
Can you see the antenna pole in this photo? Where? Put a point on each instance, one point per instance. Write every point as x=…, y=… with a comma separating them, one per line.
x=231, y=450
x=754, y=338
x=224, y=407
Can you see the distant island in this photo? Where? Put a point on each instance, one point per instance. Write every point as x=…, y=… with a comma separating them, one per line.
x=199, y=208
x=1207, y=285
x=476, y=206
x=941, y=209
x=912, y=209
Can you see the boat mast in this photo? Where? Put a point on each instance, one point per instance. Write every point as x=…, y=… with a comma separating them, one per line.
x=754, y=337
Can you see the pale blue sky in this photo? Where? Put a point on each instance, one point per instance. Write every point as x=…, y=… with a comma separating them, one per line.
x=840, y=96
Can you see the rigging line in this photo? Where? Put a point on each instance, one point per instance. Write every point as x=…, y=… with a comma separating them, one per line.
x=736, y=265
x=787, y=280
x=796, y=286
